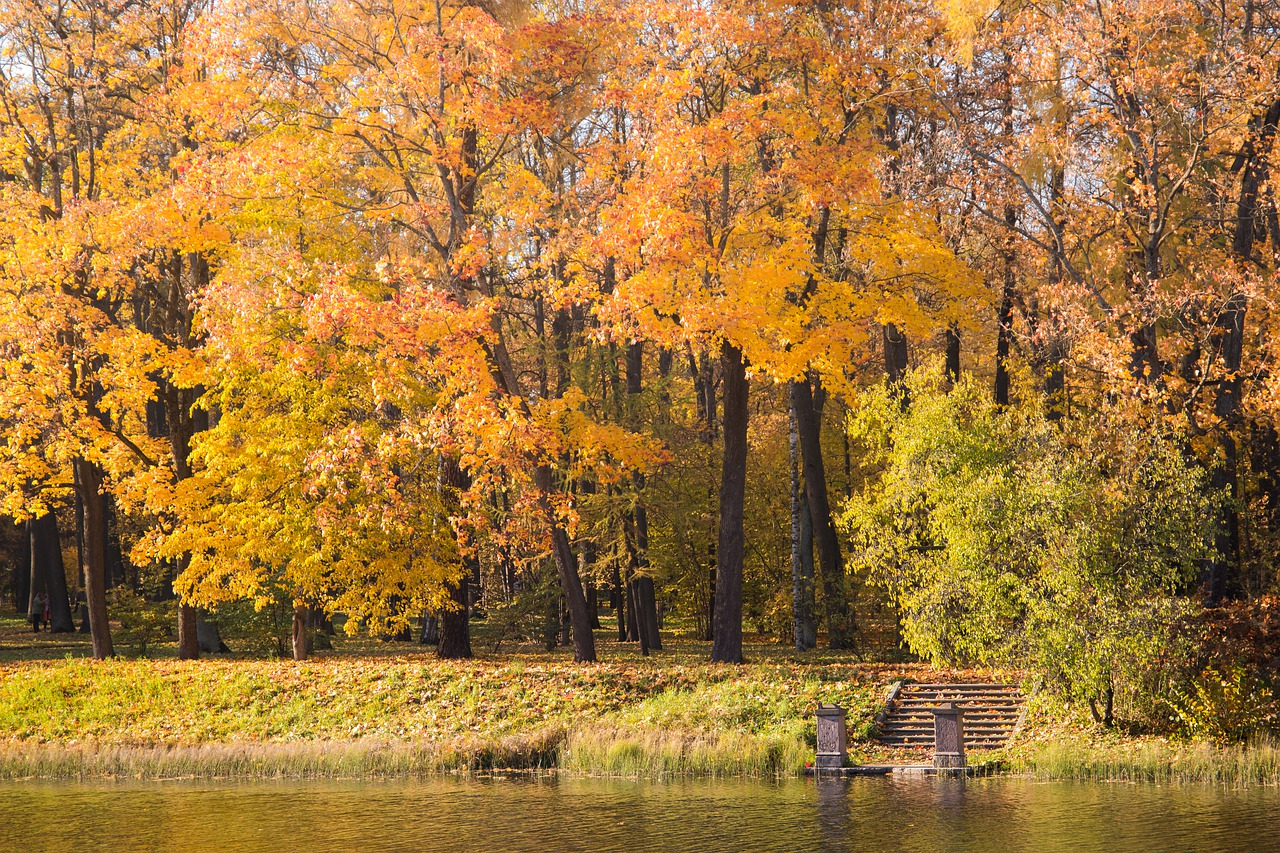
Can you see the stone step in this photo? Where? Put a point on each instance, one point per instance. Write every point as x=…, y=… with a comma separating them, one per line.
x=952, y=685
x=928, y=742
x=991, y=712
x=960, y=701
x=967, y=707
x=968, y=718
x=892, y=725
x=933, y=690
x=923, y=736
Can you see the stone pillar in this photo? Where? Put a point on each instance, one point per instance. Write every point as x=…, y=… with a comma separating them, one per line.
x=948, y=736
x=833, y=738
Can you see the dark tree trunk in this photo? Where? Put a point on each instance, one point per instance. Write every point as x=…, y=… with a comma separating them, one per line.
x=711, y=601
x=299, y=631
x=46, y=560
x=35, y=577
x=841, y=630
x=455, y=631
x=430, y=633
x=584, y=642
x=455, y=626
x=563, y=615
x=117, y=568
x=20, y=579
x=1004, y=319
x=1223, y=568
x=188, y=640
x=803, y=628
x=180, y=426
x=633, y=593
x=953, y=353
x=620, y=602
x=727, y=622
x=633, y=626
x=90, y=482
x=646, y=596
x=79, y=522
x=586, y=566
x=209, y=637
x=895, y=354
x=649, y=612
x=593, y=606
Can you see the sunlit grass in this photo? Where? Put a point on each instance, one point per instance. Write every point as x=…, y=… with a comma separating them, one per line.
x=1234, y=766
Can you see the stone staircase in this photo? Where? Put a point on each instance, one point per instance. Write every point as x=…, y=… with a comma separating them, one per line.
x=992, y=714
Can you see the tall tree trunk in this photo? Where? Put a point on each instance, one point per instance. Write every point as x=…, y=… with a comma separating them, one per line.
x=801, y=586
x=584, y=642
x=90, y=481
x=953, y=353
x=188, y=637
x=46, y=559
x=726, y=645
x=21, y=560
x=641, y=635
x=702, y=373
x=299, y=631
x=895, y=354
x=649, y=612
x=633, y=625
x=35, y=577
x=808, y=570
x=646, y=597
x=181, y=425
x=841, y=628
x=586, y=565
x=1229, y=336
x=430, y=633
x=1009, y=280
x=620, y=602
x=455, y=626
x=593, y=602
x=455, y=631
x=1004, y=318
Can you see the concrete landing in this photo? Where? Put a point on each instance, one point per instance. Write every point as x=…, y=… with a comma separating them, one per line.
x=989, y=769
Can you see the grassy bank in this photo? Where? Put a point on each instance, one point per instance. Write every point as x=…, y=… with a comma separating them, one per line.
x=1154, y=760
x=1060, y=743
x=353, y=714
x=372, y=710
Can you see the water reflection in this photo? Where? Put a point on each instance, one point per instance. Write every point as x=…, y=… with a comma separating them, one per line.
x=570, y=814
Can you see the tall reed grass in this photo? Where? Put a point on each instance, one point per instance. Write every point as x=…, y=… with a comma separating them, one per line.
x=1236, y=766
x=361, y=758
x=663, y=754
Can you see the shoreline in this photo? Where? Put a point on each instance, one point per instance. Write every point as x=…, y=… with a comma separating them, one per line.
x=618, y=755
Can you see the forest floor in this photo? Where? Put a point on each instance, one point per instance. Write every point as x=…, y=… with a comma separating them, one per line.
x=371, y=708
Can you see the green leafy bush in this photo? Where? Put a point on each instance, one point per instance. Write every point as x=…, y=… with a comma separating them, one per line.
x=1224, y=707
x=142, y=623
x=1009, y=538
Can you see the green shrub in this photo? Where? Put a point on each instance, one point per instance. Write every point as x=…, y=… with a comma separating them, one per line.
x=1006, y=537
x=142, y=623
x=1224, y=707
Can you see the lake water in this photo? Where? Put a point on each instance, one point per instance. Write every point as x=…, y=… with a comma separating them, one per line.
x=552, y=814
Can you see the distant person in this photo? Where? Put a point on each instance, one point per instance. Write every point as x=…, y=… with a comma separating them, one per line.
x=35, y=615
x=45, y=616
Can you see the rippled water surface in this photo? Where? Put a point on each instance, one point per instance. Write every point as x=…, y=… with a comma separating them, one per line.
x=881, y=814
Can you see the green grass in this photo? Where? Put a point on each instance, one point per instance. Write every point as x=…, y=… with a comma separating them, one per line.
x=1151, y=760
x=1061, y=743
x=372, y=709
